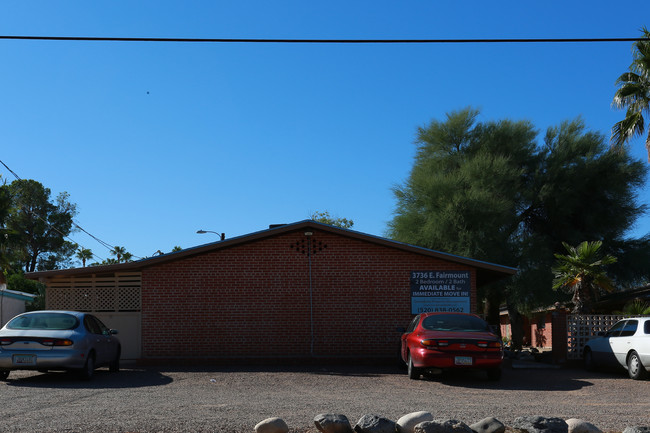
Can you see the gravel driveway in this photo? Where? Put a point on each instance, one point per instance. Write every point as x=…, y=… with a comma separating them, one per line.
x=234, y=399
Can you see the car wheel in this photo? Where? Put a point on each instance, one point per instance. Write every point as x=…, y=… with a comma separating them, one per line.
x=634, y=367
x=589, y=360
x=494, y=373
x=413, y=372
x=114, y=366
x=88, y=371
x=4, y=374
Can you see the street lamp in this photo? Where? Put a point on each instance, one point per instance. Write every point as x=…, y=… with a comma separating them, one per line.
x=221, y=235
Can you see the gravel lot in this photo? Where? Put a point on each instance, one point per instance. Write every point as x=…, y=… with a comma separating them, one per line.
x=234, y=399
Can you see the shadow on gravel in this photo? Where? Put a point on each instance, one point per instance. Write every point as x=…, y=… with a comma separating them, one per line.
x=126, y=378
x=351, y=369
x=516, y=380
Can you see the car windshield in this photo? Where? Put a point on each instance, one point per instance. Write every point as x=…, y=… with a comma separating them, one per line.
x=454, y=322
x=44, y=321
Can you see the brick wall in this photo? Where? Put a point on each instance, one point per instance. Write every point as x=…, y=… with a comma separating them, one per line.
x=253, y=299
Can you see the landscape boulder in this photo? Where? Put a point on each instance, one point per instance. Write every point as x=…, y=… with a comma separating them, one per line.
x=581, y=426
x=374, y=424
x=440, y=426
x=637, y=429
x=540, y=424
x=272, y=425
x=332, y=423
x=488, y=425
x=407, y=423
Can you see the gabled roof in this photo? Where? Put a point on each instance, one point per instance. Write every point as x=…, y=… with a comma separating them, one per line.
x=486, y=272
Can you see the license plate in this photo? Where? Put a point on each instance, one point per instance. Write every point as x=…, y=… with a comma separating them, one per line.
x=463, y=360
x=24, y=359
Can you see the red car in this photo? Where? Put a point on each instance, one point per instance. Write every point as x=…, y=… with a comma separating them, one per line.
x=440, y=341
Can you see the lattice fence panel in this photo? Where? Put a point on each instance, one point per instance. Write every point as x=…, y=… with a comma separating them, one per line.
x=119, y=292
x=104, y=299
x=128, y=299
x=581, y=328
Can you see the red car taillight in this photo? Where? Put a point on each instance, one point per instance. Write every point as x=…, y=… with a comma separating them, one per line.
x=435, y=343
x=5, y=341
x=489, y=344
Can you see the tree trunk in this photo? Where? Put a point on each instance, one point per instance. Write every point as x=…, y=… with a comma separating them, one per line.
x=582, y=302
x=516, y=327
x=492, y=308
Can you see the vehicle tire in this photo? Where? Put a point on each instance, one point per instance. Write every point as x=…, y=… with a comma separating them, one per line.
x=87, y=372
x=4, y=374
x=634, y=367
x=494, y=373
x=413, y=372
x=114, y=366
x=589, y=360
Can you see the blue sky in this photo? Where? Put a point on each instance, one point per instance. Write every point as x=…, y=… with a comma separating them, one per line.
x=154, y=141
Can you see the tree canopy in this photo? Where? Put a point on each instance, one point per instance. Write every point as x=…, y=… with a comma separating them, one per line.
x=37, y=226
x=491, y=191
x=325, y=218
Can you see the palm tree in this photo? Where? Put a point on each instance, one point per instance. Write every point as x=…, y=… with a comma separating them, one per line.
x=127, y=257
x=636, y=308
x=634, y=94
x=118, y=252
x=84, y=254
x=581, y=272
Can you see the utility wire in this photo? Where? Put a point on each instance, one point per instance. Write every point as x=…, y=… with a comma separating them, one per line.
x=105, y=244
x=323, y=41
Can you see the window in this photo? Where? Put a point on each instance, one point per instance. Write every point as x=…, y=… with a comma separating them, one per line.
x=91, y=325
x=630, y=328
x=413, y=324
x=49, y=321
x=454, y=322
x=615, y=330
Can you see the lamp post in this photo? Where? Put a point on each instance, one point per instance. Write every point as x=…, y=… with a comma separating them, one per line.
x=222, y=236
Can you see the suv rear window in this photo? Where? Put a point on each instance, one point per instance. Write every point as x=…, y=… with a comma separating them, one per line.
x=44, y=321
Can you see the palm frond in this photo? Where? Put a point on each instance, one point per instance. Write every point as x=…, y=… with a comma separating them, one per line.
x=630, y=126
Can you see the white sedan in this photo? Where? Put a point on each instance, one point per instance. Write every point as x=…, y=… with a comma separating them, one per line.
x=626, y=344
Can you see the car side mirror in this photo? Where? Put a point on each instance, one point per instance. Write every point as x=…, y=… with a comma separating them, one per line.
x=601, y=334
x=113, y=331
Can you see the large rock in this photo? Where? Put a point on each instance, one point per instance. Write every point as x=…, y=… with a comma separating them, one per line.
x=488, y=425
x=637, y=429
x=581, y=426
x=540, y=424
x=272, y=425
x=440, y=426
x=374, y=424
x=407, y=423
x=332, y=423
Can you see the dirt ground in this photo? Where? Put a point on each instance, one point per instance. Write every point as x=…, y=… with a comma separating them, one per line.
x=233, y=398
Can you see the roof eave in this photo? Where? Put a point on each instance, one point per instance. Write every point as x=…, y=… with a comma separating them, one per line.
x=491, y=272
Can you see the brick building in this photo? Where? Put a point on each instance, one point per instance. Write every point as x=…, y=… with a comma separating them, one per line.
x=298, y=290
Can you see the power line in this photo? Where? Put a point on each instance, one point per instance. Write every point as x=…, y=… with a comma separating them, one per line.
x=101, y=242
x=323, y=41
